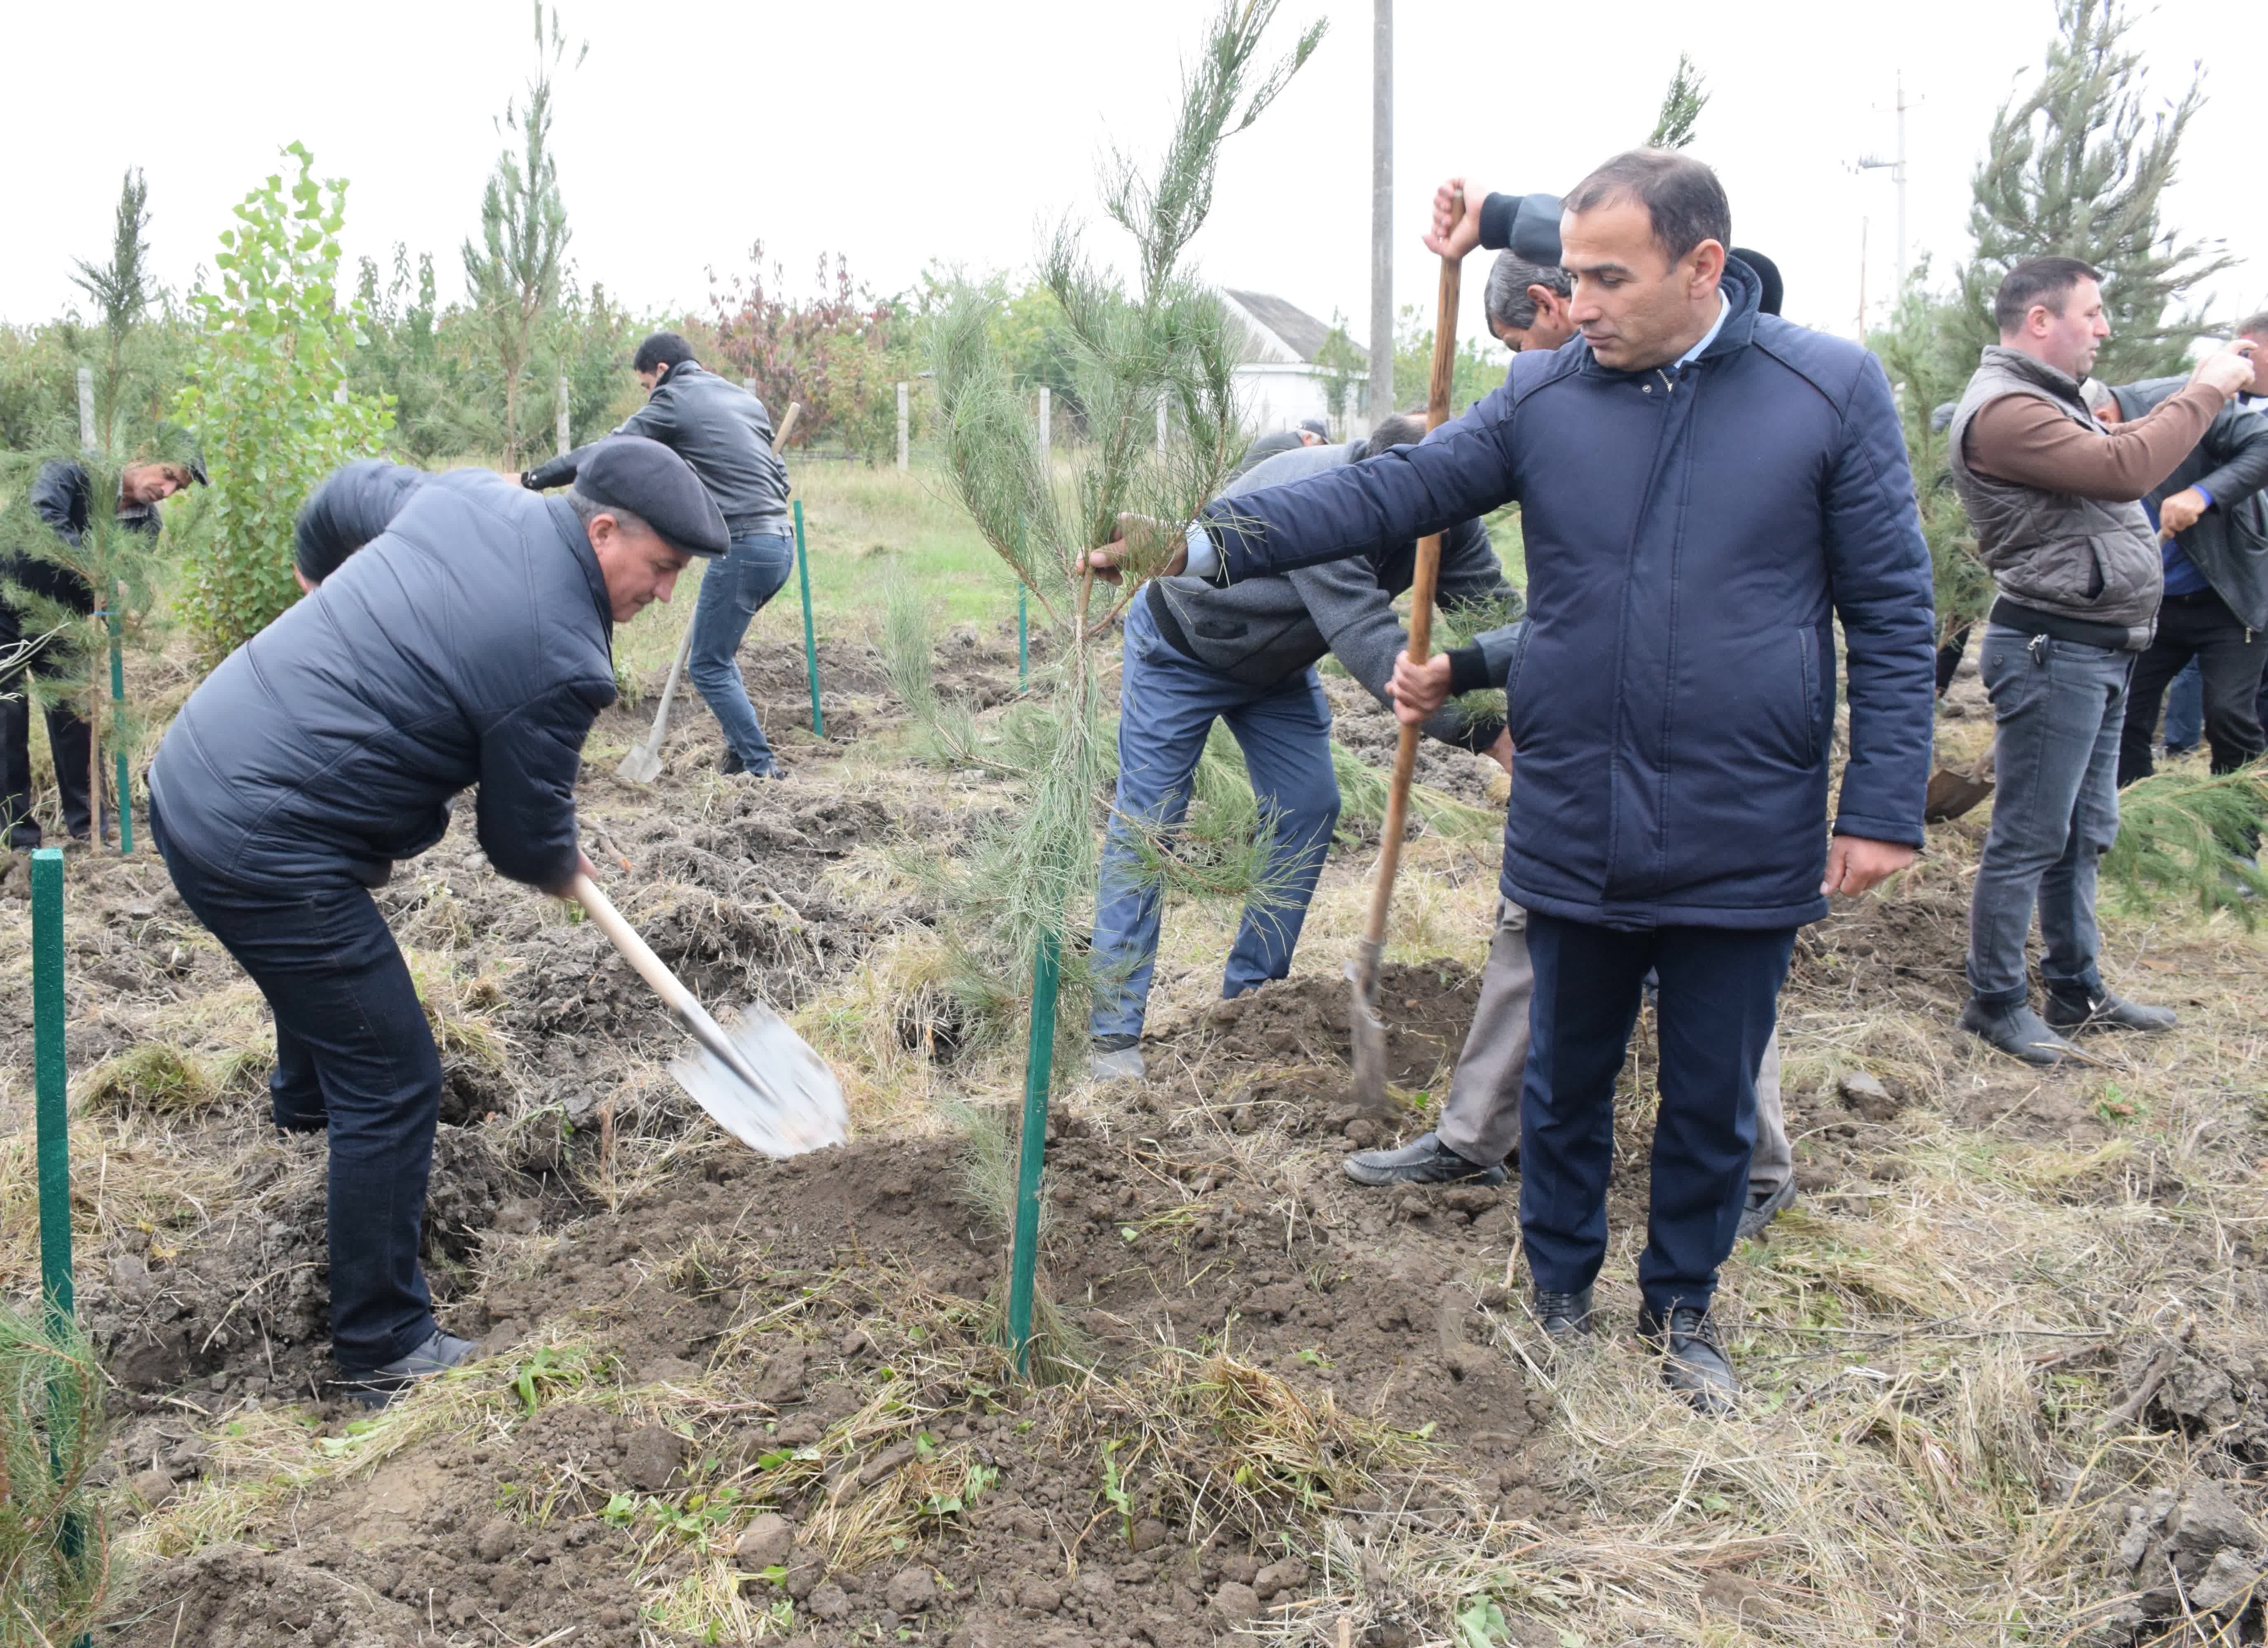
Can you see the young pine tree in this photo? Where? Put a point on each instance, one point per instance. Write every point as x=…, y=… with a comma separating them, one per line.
x=515, y=272
x=1680, y=107
x=123, y=293
x=2077, y=167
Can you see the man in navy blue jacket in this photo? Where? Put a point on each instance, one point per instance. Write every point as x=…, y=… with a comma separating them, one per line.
x=469, y=643
x=1704, y=490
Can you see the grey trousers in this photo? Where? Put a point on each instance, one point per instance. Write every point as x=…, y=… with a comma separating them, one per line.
x=1481, y=1121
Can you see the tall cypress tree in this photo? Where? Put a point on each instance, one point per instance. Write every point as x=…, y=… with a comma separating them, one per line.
x=122, y=291
x=1680, y=106
x=515, y=272
x=2076, y=167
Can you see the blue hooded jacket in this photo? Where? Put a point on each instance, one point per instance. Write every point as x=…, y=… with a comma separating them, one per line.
x=470, y=643
x=1692, y=535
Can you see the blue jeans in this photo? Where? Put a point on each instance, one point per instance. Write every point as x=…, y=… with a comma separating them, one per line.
x=2059, y=706
x=1719, y=996
x=1166, y=705
x=353, y=1055
x=2185, y=709
x=733, y=589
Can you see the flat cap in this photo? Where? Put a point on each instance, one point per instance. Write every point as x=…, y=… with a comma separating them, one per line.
x=1317, y=427
x=652, y=482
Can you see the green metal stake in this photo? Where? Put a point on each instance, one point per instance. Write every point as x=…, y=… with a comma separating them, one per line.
x=54, y=1119
x=118, y=743
x=1039, y=1061
x=1023, y=642
x=810, y=643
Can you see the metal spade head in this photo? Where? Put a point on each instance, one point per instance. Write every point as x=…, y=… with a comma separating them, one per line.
x=1369, y=1031
x=641, y=766
x=764, y=1085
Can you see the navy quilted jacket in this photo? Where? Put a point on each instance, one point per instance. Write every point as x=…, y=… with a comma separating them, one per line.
x=471, y=643
x=1691, y=538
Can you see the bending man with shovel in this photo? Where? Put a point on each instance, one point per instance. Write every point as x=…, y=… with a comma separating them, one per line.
x=470, y=643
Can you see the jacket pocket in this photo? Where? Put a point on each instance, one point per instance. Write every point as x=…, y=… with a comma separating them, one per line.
x=1807, y=662
x=1514, y=721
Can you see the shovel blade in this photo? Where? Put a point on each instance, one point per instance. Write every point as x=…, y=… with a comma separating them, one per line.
x=1369, y=1031
x=774, y=1093
x=641, y=766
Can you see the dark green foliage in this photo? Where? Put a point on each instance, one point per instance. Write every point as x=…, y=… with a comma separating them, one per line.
x=1680, y=106
x=54, y=1548
x=2076, y=166
x=1478, y=366
x=1927, y=353
x=515, y=269
x=273, y=351
x=2182, y=837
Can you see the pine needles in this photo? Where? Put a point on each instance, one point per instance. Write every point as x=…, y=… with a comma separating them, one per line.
x=54, y=1557
x=2182, y=837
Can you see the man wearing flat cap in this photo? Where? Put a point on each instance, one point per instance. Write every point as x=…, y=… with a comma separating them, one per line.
x=470, y=642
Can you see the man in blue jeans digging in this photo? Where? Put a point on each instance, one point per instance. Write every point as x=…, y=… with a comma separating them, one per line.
x=2055, y=498
x=1196, y=655
x=725, y=435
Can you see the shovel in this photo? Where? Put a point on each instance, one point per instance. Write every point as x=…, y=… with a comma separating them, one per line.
x=759, y=1080
x=643, y=764
x=1362, y=972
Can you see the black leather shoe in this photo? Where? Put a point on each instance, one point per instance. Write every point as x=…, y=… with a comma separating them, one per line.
x=381, y=1385
x=2016, y=1031
x=1565, y=1318
x=1693, y=1360
x=2080, y=1011
x=1424, y=1160
x=731, y=762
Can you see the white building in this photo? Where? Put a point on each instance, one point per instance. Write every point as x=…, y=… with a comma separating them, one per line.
x=1279, y=385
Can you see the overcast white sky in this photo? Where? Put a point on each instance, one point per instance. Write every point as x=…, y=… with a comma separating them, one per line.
x=898, y=132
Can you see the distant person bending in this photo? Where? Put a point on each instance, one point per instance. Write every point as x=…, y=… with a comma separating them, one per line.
x=1308, y=432
x=725, y=434
x=59, y=497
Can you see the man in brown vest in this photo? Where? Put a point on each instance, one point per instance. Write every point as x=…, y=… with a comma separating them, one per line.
x=2055, y=500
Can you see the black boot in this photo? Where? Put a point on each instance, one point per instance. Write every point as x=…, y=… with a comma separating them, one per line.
x=2084, y=1009
x=1565, y=1318
x=381, y=1385
x=2017, y=1030
x=1693, y=1360
x=1425, y=1160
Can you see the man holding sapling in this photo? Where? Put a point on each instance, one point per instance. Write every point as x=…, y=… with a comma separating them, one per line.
x=470, y=642
x=60, y=497
x=1704, y=490
x=1195, y=654
x=725, y=434
x=2055, y=499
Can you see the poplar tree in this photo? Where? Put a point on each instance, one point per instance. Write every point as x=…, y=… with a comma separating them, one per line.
x=514, y=271
x=2076, y=166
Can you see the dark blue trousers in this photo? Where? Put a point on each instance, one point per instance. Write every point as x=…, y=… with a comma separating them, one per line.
x=354, y=1054
x=1719, y=997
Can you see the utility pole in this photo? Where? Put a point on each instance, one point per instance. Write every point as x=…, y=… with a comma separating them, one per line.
x=1382, y=210
x=1897, y=171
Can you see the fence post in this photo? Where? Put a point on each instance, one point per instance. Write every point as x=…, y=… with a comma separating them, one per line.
x=565, y=419
x=86, y=408
x=1161, y=426
x=810, y=642
x=902, y=448
x=50, y=1082
x=1031, y=1152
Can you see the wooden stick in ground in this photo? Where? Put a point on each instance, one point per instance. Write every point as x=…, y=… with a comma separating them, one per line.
x=1369, y=1033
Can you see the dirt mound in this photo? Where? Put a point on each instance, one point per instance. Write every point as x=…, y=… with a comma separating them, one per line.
x=1280, y=1055
x=1906, y=946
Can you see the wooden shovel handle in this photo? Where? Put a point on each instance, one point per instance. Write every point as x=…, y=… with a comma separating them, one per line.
x=1425, y=579
x=786, y=426
x=635, y=951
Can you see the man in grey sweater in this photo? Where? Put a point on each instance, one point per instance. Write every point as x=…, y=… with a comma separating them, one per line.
x=1246, y=655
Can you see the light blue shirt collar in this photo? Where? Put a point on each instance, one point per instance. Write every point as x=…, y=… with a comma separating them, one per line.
x=1724, y=308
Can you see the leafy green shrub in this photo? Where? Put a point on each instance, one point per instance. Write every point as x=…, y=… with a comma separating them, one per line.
x=273, y=347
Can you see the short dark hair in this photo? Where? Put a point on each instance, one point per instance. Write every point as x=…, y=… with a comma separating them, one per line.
x=2253, y=326
x=1395, y=428
x=2042, y=280
x=1506, y=301
x=663, y=349
x=1681, y=196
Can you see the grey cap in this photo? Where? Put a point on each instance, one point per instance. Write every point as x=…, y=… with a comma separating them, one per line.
x=1316, y=427
x=652, y=482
